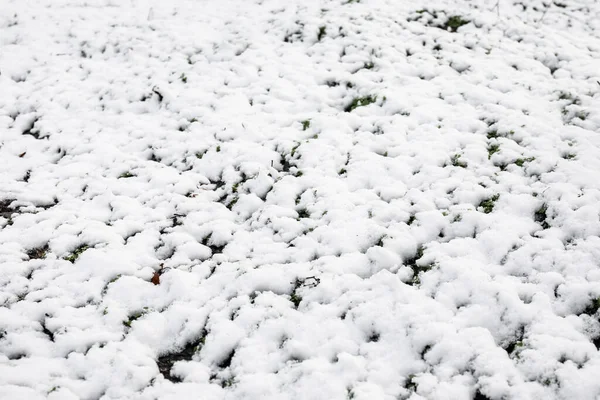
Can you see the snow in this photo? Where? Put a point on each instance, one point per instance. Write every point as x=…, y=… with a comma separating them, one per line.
x=324, y=199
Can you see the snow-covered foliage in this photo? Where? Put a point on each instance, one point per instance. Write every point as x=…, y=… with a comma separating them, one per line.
x=265, y=199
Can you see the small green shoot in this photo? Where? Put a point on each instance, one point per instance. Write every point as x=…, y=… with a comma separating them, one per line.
x=457, y=162
x=232, y=203
x=488, y=204
x=493, y=134
x=322, y=33
x=521, y=161
x=76, y=253
x=126, y=174
x=493, y=149
x=135, y=316
x=593, y=307
x=38, y=252
x=540, y=216
x=360, y=102
x=303, y=213
x=410, y=383
x=454, y=22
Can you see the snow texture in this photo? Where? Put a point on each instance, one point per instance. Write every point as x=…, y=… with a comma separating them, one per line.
x=316, y=199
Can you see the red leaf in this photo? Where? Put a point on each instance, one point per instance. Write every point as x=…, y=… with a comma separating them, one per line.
x=156, y=278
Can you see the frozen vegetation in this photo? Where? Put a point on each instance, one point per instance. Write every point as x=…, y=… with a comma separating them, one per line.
x=302, y=199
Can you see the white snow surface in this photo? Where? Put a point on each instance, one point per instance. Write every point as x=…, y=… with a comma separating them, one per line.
x=364, y=199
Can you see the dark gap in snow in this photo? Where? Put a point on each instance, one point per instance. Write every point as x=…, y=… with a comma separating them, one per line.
x=30, y=129
x=6, y=211
x=166, y=361
x=219, y=183
x=410, y=384
x=517, y=343
x=76, y=253
x=374, y=337
x=212, y=245
x=47, y=332
x=16, y=356
x=417, y=269
x=285, y=164
x=176, y=220
x=540, y=216
x=226, y=362
x=592, y=308
x=488, y=204
x=480, y=396
x=38, y=252
x=303, y=213
x=425, y=351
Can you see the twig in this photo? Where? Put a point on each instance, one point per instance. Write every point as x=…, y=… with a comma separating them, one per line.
x=545, y=12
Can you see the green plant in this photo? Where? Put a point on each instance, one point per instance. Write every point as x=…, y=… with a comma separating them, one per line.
x=183, y=78
x=520, y=161
x=305, y=124
x=540, y=216
x=303, y=213
x=322, y=32
x=38, y=252
x=360, y=102
x=410, y=383
x=417, y=269
x=493, y=149
x=126, y=174
x=76, y=253
x=232, y=203
x=296, y=299
x=135, y=316
x=565, y=96
x=457, y=162
x=454, y=22
x=492, y=134
x=488, y=204
x=227, y=382
x=294, y=149
x=593, y=307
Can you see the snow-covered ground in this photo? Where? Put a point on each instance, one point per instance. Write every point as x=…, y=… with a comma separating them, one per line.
x=300, y=199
